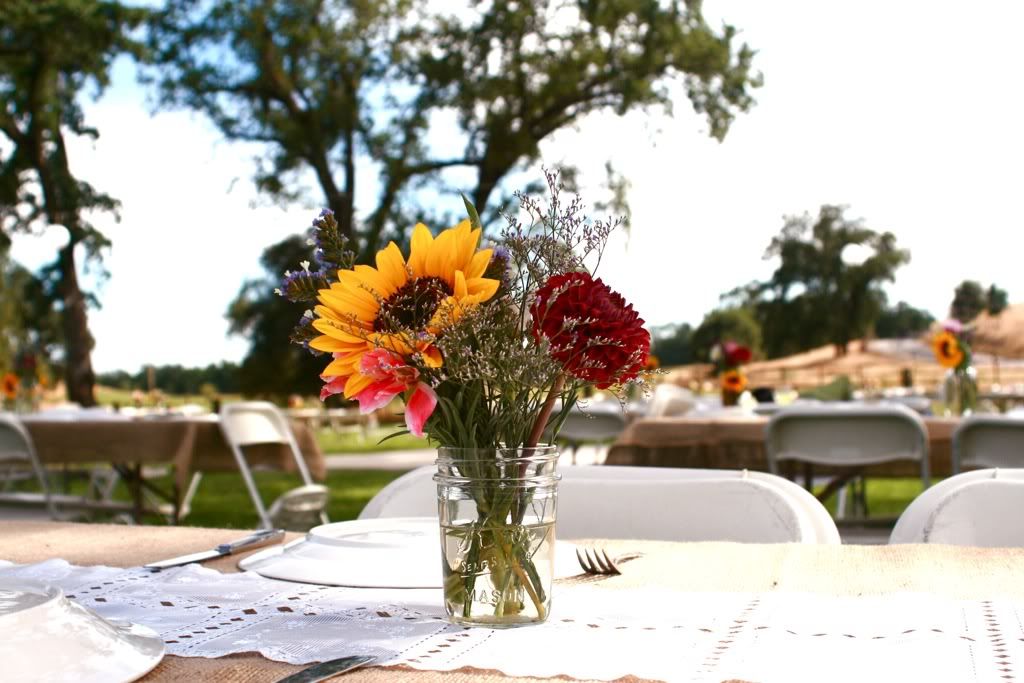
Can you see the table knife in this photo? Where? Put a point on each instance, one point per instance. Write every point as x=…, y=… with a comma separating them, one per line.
x=329, y=669
x=260, y=538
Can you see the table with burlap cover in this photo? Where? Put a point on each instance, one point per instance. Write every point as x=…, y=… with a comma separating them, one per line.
x=828, y=570
x=736, y=442
x=190, y=445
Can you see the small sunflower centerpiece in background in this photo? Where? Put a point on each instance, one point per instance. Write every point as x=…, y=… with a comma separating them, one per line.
x=488, y=348
x=729, y=358
x=9, y=390
x=952, y=350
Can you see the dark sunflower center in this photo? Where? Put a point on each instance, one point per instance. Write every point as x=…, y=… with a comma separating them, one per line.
x=412, y=306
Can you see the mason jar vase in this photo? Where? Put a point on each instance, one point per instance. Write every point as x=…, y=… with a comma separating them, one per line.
x=497, y=511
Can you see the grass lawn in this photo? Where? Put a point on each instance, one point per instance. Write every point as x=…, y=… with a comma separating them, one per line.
x=222, y=500
x=887, y=498
x=334, y=442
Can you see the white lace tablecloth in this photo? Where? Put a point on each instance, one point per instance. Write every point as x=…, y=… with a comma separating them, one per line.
x=593, y=633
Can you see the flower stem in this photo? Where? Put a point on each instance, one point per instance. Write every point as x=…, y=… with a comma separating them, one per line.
x=545, y=412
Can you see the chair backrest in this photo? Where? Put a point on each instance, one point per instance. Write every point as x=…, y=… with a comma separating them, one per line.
x=653, y=503
x=583, y=426
x=847, y=435
x=251, y=422
x=977, y=508
x=15, y=442
x=988, y=441
x=670, y=400
x=16, y=447
x=257, y=422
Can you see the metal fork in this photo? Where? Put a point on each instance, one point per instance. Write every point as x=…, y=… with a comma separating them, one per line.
x=597, y=561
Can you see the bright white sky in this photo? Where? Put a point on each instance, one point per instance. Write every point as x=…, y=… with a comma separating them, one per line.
x=909, y=112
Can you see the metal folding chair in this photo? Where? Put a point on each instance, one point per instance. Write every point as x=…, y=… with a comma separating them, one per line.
x=988, y=441
x=590, y=426
x=847, y=436
x=258, y=422
x=16, y=453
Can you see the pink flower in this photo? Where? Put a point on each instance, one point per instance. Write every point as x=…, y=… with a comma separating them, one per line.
x=391, y=377
x=953, y=326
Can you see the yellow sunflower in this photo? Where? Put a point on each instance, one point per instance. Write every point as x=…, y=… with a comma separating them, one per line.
x=401, y=305
x=947, y=349
x=734, y=381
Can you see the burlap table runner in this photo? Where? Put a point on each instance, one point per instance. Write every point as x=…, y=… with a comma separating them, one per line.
x=737, y=442
x=953, y=572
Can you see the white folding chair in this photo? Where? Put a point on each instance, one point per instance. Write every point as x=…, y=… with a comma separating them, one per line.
x=593, y=426
x=847, y=436
x=654, y=503
x=258, y=422
x=671, y=400
x=16, y=453
x=978, y=508
x=988, y=441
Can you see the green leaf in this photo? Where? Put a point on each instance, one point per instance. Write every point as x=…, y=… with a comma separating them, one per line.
x=474, y=217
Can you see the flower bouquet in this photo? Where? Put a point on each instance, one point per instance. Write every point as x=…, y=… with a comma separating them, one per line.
x=20, y=389
x=953, y=352
x=488, y=349
x=729, y=358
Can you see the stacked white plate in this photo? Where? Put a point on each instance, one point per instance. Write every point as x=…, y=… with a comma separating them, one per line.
x=46, y=637
x=389, y=552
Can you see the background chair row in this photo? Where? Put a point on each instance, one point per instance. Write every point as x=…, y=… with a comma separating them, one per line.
x=979, y=508
x=652, y=503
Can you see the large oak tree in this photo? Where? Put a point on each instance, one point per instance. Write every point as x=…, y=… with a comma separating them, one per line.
x=392, y=93
x=50, y=52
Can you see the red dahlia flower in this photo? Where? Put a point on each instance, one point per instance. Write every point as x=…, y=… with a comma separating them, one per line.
x=594, y=333
x=735, y=354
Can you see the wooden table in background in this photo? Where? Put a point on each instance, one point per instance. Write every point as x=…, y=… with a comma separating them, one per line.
x=737, y=442
x=188, y=444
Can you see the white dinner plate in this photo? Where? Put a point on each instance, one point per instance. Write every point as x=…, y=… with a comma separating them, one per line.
x=46, y=637
x=389, y=552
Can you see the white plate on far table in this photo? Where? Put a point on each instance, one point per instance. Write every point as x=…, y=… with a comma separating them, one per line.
x=389, y=552
x=46, y=637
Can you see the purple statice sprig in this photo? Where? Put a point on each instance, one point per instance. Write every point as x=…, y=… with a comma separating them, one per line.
x=303, y=285
x=304, y=332
x=332, y=251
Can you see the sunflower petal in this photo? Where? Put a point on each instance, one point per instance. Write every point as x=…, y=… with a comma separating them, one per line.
x=478, y=265
x=460, y=285
x=483, y=287
x=391, y=266
x=356, y=383
x=419, y=248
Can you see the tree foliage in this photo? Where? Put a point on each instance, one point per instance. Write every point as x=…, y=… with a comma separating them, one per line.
x=996, y=300
x=176, y=379
x=273, y=367
x=50, y=52
x=970, y=299
x=726, y=324
x=29, y=322
x=818, y=294
x=902, y=321
x=673, y=345
x=392, y=93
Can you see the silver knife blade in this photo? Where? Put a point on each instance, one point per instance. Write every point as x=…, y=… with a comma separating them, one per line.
x=185, y=559
x=328, y=669
x=255, y=540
